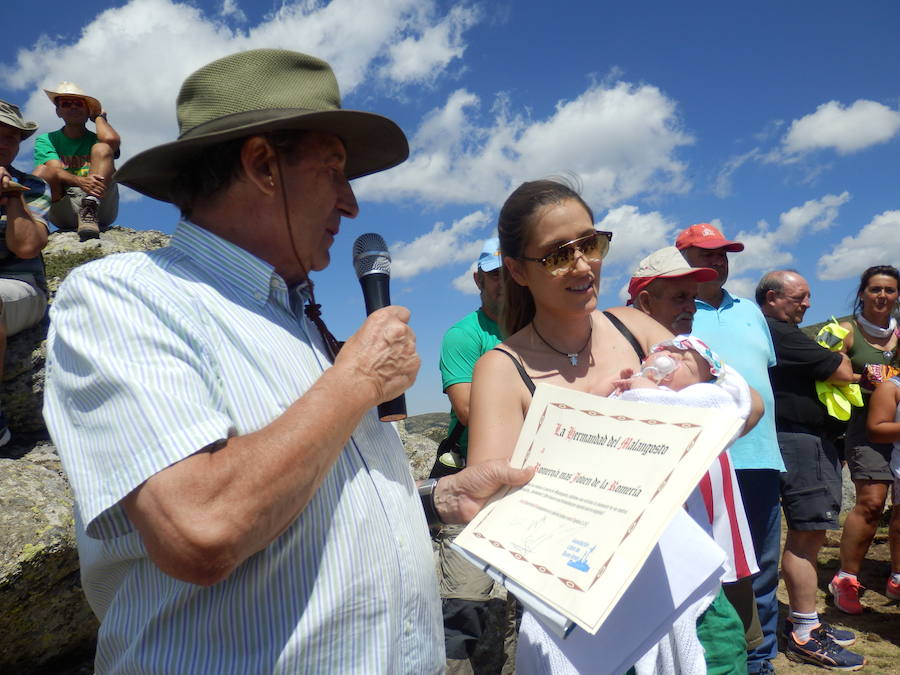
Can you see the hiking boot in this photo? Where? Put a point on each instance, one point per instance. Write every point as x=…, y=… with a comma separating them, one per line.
x=844, y=638
x=5, y=435
x=88, y=225
x=821, y=650
x=893, y=589
x=845, y=591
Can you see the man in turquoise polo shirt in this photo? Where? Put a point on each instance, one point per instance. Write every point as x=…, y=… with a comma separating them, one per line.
x=465, y=590
x=736, y=329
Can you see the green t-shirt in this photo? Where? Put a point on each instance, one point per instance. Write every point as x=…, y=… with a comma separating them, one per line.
x=463, y=345
x=74, y=153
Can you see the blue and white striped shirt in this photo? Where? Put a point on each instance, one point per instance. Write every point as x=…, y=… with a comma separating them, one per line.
x=153, y=356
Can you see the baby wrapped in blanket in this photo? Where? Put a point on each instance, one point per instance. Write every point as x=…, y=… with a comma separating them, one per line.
x=685, y=371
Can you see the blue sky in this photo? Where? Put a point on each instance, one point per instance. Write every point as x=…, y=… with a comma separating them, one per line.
x=777, y=121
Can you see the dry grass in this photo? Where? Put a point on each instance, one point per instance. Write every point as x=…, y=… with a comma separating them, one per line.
x=877, y=629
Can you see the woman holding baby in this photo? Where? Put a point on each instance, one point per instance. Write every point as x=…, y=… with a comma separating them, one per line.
x=552, y=258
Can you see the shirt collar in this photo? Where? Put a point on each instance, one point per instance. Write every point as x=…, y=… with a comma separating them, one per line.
x=727, y=301
x=237, y=268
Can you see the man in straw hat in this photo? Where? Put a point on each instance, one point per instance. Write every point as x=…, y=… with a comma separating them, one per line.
x=240, y=507
x=24, y=201
x=736, y=329
x=78, y=163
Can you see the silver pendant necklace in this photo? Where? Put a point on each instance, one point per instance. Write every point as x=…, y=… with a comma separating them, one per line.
x=573, y=356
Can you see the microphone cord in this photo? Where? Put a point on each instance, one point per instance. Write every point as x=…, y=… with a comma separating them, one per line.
x=313, y=310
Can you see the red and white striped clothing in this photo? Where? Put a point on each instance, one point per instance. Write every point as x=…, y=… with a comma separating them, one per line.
x=725, y=510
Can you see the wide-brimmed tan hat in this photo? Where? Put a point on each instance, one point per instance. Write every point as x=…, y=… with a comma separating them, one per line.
x=255, y=92
x=12, y=116
x=73, y=90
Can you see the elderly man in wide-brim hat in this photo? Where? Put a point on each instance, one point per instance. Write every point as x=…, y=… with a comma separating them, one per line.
x=79, y=163
x=240, y=506
x=24, y=200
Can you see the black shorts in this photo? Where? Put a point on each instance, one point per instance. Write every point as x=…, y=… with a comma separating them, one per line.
x=811, y=485
x=866, y=460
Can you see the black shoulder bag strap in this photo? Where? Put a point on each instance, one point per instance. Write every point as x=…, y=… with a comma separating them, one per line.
x=627, y=334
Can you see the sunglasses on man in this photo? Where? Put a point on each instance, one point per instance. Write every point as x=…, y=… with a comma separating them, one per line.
x=561, y=260
x=70, y=103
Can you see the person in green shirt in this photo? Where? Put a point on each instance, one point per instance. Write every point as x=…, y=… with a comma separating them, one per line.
x=465, y=590
x=78, y=164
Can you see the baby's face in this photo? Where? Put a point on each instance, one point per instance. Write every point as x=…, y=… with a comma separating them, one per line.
x=691, y=368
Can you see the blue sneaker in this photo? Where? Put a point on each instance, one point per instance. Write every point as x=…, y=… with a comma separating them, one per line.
x=823, y=651
x=844, y=638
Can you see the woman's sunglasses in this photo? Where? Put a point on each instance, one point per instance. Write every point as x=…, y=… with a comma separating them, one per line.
x=593, y=247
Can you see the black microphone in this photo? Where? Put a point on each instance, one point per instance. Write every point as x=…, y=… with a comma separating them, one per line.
x=372, y=263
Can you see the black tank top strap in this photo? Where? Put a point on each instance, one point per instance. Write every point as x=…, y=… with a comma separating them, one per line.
x=525, y=378
x=627, y=334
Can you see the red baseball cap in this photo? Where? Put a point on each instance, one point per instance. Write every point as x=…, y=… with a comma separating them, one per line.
x=704, y=235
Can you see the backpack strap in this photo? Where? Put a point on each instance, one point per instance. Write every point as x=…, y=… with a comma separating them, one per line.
x=627, y=334
x=525, y=377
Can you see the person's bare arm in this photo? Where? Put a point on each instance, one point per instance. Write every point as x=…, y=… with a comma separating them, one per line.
x=880, y=424
x=459, y=394
x=848, y=338
x=203, y=516
x=105, y=132
x=26, y=234
x=757, y=410
x=844, y=373
x=55, y=170
x=497, y=408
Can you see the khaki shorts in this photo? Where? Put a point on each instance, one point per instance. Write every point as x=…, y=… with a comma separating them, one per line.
x=23, y=305
x=64, y=213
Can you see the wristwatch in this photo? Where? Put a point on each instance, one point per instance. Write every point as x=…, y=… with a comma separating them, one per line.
x=426, y=494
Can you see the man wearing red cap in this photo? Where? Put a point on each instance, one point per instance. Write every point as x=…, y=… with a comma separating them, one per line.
x=664, y=287
x=736, y=329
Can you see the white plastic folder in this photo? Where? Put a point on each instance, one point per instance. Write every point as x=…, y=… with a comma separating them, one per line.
x=684, y=566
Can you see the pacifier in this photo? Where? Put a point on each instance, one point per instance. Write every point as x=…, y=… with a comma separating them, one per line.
x=662, y=366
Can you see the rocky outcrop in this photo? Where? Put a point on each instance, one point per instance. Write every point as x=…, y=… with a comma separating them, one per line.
x=45, y=621
x=43, y=613
x=21, y=394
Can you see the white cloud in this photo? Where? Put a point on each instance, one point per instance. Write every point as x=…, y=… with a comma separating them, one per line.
x=420, y=58
x=766, y=248
x=845, y=129
x=635, y=235
x=620, y=139
x=722, y=186
x=165, y=40
x=876, y=244
x=232, y=9
x=815, y=214
x=465, y=283
x=440, y=247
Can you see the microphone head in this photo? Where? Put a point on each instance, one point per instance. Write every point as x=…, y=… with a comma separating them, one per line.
x=370, y=255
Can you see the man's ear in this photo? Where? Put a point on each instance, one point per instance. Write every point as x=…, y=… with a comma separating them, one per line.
x=260, y=164
x=770, y=296
x=644, y=298
x=514, y=267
